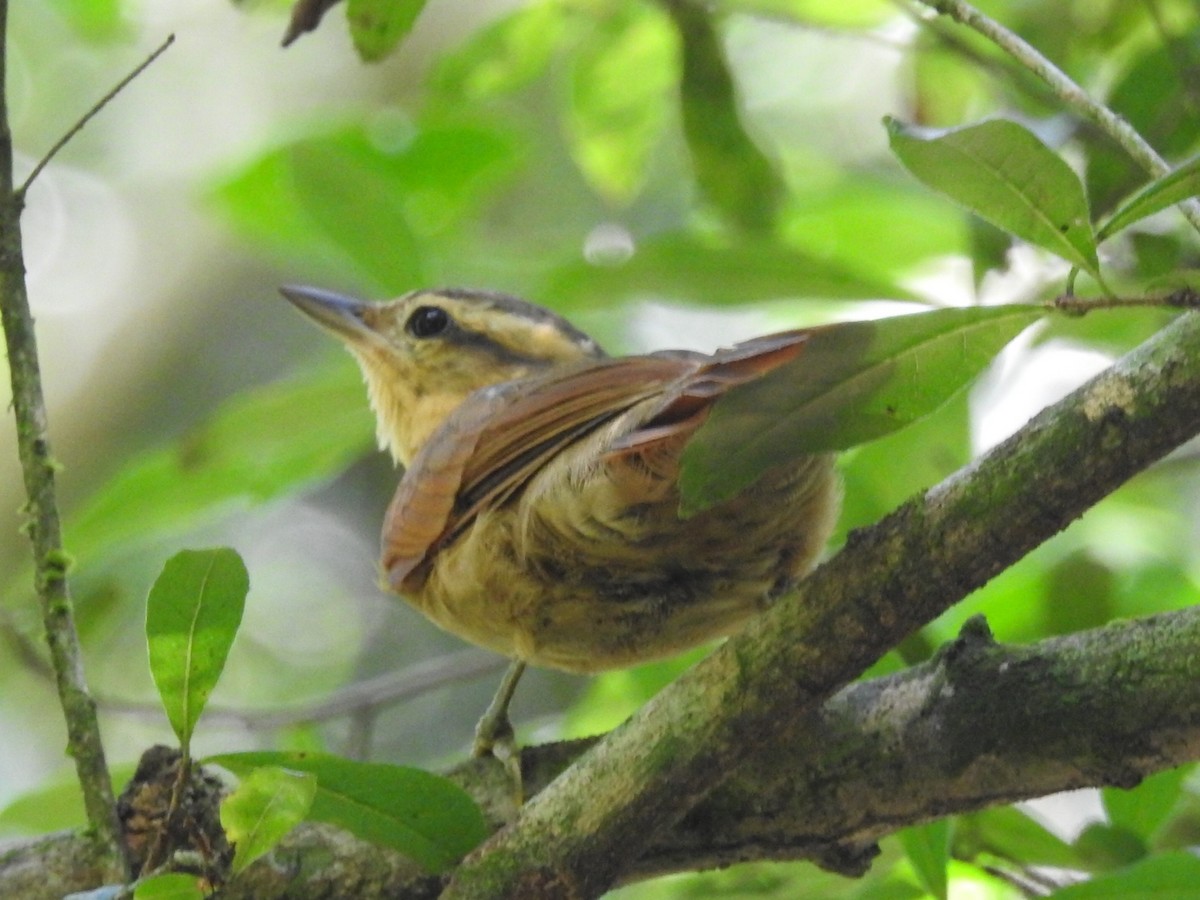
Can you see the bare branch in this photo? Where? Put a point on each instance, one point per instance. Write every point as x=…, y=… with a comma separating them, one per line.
x=373, y=694
x=90, y=114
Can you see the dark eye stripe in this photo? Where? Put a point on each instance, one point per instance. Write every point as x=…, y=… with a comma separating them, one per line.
x=473, y=340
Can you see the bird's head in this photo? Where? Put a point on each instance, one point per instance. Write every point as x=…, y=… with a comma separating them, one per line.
x=423, y=353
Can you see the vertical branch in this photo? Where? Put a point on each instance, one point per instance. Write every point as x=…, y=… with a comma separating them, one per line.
x=38, y=466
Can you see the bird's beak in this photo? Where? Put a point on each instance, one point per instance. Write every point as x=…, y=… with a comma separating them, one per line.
x=345, y=317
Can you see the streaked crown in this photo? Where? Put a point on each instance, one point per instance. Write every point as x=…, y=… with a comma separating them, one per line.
x=425, y=351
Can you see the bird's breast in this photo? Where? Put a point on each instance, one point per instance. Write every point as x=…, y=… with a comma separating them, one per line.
x=589, y=567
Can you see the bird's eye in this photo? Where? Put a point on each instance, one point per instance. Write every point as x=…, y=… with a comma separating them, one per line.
x=427, y=321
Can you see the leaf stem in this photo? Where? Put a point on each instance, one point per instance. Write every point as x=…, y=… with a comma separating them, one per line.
x=38, y=466
x=1070, y=93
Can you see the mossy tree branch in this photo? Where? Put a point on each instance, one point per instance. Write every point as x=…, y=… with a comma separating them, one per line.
x=980, y=724
x=38, y=466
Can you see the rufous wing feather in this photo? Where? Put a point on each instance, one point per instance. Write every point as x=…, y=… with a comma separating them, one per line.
x=657, y=443
x=493, y=443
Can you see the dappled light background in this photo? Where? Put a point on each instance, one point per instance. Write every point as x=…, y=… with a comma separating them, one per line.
x=533, y=148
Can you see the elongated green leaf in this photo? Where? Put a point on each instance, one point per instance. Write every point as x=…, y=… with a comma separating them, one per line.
x=256, y=446
x=192, y=616
x=683, y=267
x=169, y=886
x=928, y=849
x=361, y=201
x=844, y=14
x=1001, y=171
x=1145, y=808
x=614, y=122
x=55, y=806
x=856, y=221
x=1174, y=875
x=732, y=172
x=852, y=382
x=505, y=55
x=1105, y=848
x=1142, y=95
x=268, y=803
x=1174, y=188
x=422, y=815
x=96, y=20
x=377, y=26
x=1007, y=832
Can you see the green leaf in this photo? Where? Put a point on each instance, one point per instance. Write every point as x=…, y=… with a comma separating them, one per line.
x=378, y=25
x=422, y=815
x=192, y=616
x=928, y=849
x=880, y=475
x=948, y=86
x=855, y=222
x=852, y=382
x=96, y=20
x=732, y=172
x=612, y=697
x=1145, y=808
x=170, y=886
x=1008, y=833
x=505, y=55
x=614, y=121
x=1103, y=847
x=1083, y=591
x=1173, y=188
x=1001, y=171
x=268, y=803
x=682, y=267
x=256, y=446
x=843, y=14
x=55, y=806
x=1174, y=875
x=361, y=202
x=1148, y=95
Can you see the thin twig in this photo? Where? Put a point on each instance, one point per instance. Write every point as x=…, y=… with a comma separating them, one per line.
x=1070, y=93
x=1184, y=298
x=43, y=528
x=25, y=649
x=1004, y=72
x=371, y=694
x=90, y=114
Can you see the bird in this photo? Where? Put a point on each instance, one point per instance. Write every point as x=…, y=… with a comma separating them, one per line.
x=538, y=514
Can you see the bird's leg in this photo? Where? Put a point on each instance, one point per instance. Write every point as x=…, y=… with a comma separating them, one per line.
x=494, y=729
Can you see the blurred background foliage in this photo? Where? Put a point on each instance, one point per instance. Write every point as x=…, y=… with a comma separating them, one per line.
x=665, y=173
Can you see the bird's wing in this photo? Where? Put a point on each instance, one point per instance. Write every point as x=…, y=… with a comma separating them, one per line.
x=656, y=444
x=493, y=443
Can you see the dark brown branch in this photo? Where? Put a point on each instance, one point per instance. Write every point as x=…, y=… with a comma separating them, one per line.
x=890, y=579
x=1103, y=707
